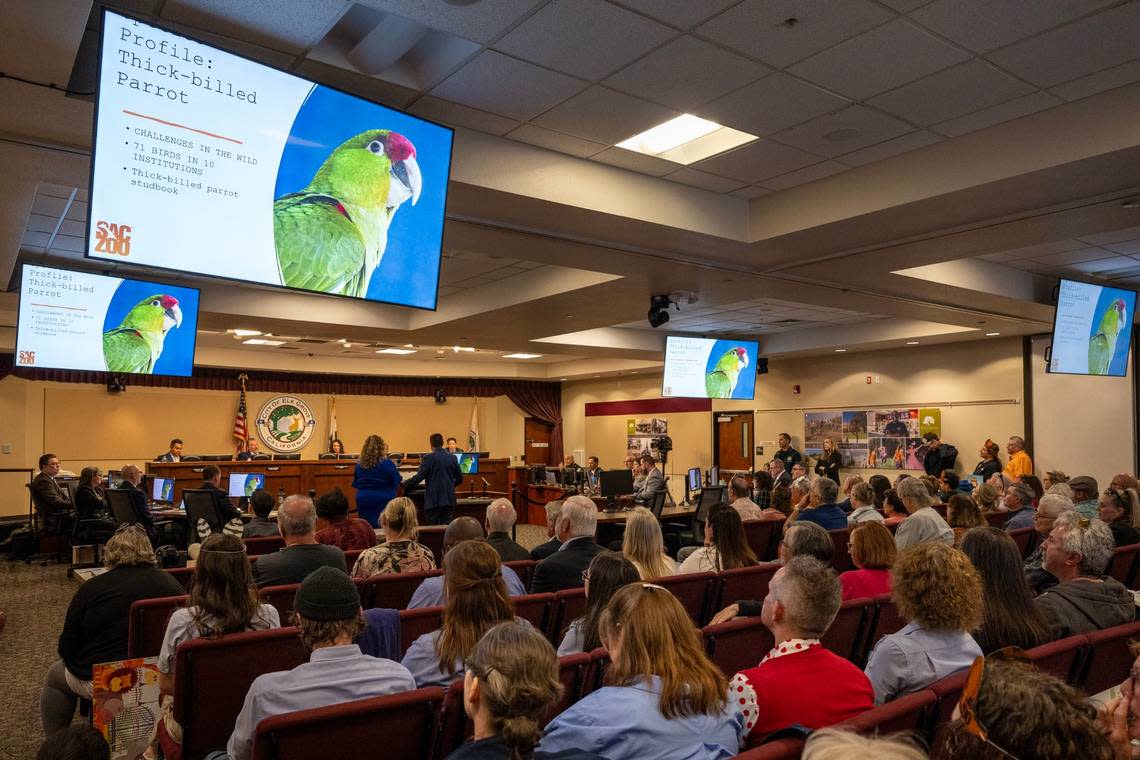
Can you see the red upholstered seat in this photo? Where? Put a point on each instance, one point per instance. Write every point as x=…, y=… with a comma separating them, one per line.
x=948, y=691
x=1063, y=658
x=1025, y=538
x=743, y=583
x=1109, y=660
x=393, y=591
x=431, y=536
x=281, y=597
x=738, y=644
x=146, y=625
x=781, y=749
x=1122, y=566
x=524, y=569
x=395, y=726
x=907, y=713
x=849, y=629
x=417, y=622
x=998, y=519
x=350, y=558
x=841, y=560
x=569, y=605
x=212, y=677
x=182, y=575
x=763, y=537
x=692, y=590
x=886, y=620
x=255, y=547
x=596, y=674
x=536, y=609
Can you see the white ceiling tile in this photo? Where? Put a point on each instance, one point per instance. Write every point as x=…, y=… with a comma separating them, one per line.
x=1077, y=49
x=481, y=21
x=1104, y=265
x=805, y=175
x=1125, y=246
x=848, y=130
x=1112, y=236
x=905, y=6
x=49, y=205
x=585, y=38
x=1043, y=249
x=704, y=180
x=604, y=115
x=73, y=228
x=41, y=223
x=68, y=243
x=951, y=93
x=984, y=25
x=457, y=115
x=1072, y=257
x=895, y=147
x=77, y=211
x=1109, y=79
x=773, y=103
x=545, y=138
x=53, y=190
x=503, y=85
x=757, y=27
x=34, y=240
x=682, y=13
x=757, y=161
x=638, y=162
x=879, y=60
x=753, y=191
x=289, y=25
x=987, y=117
x=686, y=73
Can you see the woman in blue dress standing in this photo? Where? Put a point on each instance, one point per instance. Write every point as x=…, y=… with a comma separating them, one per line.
x=375, y=480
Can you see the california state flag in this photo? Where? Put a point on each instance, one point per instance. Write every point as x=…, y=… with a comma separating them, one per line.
x=473, y=431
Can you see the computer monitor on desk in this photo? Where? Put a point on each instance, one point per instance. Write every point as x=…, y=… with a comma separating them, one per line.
x=710, y=496
x=243, y=484
x=614, y=483
x=162, y=490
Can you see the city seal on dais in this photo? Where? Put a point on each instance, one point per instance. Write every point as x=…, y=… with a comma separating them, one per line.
x=285, y=424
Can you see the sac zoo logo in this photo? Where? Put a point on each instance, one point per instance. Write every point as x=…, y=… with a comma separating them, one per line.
x=285, y=424
x=112, y=238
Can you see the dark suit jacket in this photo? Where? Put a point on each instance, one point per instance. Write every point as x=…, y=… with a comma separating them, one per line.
x=222, y=504
x=167, y=457
x=243, y=456
x=138, y=504
x=563, y=569
x=508, y=550
x=942, y=458
x=441, y=469
x=542, y=551
x=50, y=496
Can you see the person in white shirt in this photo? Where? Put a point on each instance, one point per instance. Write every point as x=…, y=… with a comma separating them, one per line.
x=923, y=524
x=748, y=509
x=862, y=505
x=726, y=547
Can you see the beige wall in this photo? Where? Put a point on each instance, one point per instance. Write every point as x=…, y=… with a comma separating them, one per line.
x=85, y=425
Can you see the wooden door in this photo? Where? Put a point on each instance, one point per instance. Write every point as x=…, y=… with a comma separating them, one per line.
x=733, y=441
x=536, y=448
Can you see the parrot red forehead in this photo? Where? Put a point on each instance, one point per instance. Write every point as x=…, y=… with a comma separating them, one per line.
x=741, y=352
x=169, y=301
x=399, y=147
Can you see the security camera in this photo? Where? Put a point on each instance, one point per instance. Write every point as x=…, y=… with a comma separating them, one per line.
x=659, y=310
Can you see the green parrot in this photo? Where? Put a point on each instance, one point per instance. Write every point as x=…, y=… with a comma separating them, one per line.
x=1102, y=345
x=331, y=235
x=136, y=344
x=721, y=381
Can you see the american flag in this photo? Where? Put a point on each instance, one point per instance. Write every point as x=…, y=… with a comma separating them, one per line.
x=241, y=432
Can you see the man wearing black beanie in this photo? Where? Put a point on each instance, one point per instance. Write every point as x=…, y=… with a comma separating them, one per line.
x=327, y=610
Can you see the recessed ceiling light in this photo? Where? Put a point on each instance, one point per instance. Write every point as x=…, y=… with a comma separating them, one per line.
x=263, y=342
x=521, y=356
x=686, y=139
x=562, y=379
x=912, y=342
x=246, y=333
x=841, y=350
x=457, y=349
x=397, y=351
x=992, y=334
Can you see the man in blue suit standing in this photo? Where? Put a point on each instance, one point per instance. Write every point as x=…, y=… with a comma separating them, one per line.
x=441, y=469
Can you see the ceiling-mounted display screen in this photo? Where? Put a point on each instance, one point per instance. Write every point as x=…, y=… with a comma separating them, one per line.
x=1092, y=329
x=76, y=320
x=707, y=368
x=212, y=164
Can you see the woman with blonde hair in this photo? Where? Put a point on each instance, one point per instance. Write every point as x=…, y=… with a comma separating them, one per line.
x=962, y=513
x=644, y=546
x=400, y=552
x=837, y=744
x=987, y=498
x=827, y=464
x=375, y=479
x=663, y=697
x=477, y=599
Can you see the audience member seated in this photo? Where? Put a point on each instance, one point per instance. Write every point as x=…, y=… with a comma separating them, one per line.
x=762, y=494
x=932, y=486
x=1123, y=481
x=608, y=572
x=799, y=682
x=894, y=511
x=1012, y=709
x=1047, y=511
x=1120, y=510
x=1018, y=501
x=947, y=484
x=988, y=498
x=510, y=684
x=577, y=523
x=801, y=496
x=781, y=505
x=223, y=599
x=739, y=491
x=1052, y=478
x=939, y=594
x=1085, y=495
x=91, y=507
x=400, y=552
x=652, y=480
x=476, y=600
x=779, y=473
x=375, y=478
x=1035, y=485
x=1061, y=489
x=726, y=547
x=862, y=501
x=1120, y=715
x=344, y=532
x=990, y=464
x=228, y=515
x=1077, y=553
x=663, y=697
x=261, y=502
x=500, y=519
x=82, y=742
x=329, y=617
x=95, y=628
x=821, y=507
x=132, y=477
x=880, y=484
x=849, y=483
x=923, y=524
x=962, y=514
x=1009, y=617
x=873, y=552
x=644, y=546
x=431, y=591
x=302, y=554
x=542, y=551
x=837, y=744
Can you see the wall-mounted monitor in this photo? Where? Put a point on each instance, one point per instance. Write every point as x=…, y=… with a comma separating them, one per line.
x=709, y=368
x=81, y=321
x=1092, y=329
x=209, y=163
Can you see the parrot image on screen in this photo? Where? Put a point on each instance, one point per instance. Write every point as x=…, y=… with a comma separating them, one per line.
x=1102, y=345
x=136, y=344
x=331, y=235
x=721, y=381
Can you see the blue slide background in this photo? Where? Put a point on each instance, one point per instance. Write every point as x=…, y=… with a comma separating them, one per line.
x=746, y=381
x=1118, y=367
x=409, y=271
x=178, y=349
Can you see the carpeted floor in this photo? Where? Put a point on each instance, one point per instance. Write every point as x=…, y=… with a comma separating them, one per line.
x=35, y=599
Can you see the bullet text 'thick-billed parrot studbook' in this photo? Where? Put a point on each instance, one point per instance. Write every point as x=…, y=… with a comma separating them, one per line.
x=721, y=380
x=136, y=344
x=1102, y=345
x=331, y=235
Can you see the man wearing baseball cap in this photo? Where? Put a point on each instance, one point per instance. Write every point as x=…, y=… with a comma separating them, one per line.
x=1085, y=495
x=328, y=613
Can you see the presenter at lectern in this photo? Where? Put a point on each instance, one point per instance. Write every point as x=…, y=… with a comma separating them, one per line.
x=441, y=470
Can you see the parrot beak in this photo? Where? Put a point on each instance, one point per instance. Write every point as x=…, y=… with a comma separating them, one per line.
x=172, y=317
x=743, y=361
x=409, y=182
